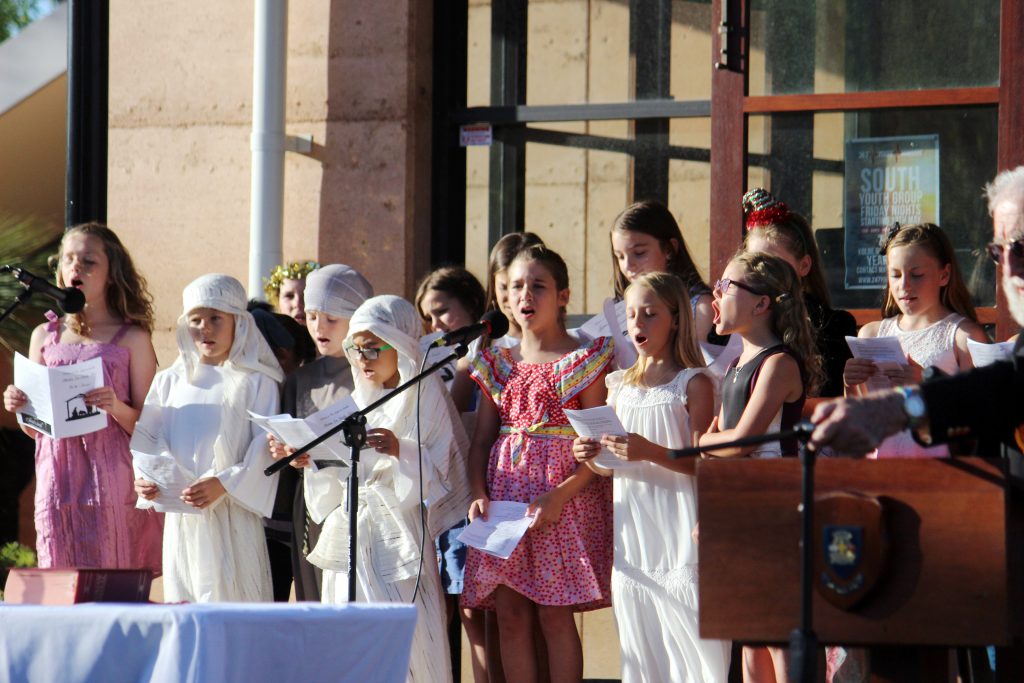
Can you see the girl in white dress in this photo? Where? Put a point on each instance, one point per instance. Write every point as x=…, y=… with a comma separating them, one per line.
x=665, y=401
x=928, y=308
x=196, y=413
x=384, y=351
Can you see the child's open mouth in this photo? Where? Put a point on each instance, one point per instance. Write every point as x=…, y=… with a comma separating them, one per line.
x=640, y=339
x=718, y=313
x=76, y=282
x=526, y=312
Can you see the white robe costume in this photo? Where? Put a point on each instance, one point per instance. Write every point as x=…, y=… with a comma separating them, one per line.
x=391, y=547
x=196, y=413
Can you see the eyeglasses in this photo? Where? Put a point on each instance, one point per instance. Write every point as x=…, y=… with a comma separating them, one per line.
x=723, y=286
x=368, y=353
x=995, y=250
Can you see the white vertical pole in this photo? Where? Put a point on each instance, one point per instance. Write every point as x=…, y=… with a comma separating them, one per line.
x=270, y=47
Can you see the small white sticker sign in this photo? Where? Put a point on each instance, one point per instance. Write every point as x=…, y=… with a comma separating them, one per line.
x=476, y=135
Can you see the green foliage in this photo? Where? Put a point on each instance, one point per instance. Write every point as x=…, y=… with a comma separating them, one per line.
x=15, y=15
x=14, y=556
x=26, y=244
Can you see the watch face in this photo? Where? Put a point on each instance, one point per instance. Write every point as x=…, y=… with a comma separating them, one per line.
x=914, y=405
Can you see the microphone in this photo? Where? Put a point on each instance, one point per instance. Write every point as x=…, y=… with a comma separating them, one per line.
x=494, y=324
x=70, y=300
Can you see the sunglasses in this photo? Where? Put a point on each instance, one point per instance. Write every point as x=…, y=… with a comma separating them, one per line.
x=995, y=250
x=723, y=286
x=368, y=353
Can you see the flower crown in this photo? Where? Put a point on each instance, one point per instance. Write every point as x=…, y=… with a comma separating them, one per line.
x=760, y=208
x=296, y=270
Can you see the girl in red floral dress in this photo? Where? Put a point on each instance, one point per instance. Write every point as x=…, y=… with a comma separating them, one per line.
x=522, y=451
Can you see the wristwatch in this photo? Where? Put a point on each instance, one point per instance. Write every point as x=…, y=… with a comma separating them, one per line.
x=917, y=414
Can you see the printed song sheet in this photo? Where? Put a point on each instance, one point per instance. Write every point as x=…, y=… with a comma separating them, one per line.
x=170, y=477
x=884, y=352
x=987, y=354
x=593, y=423
x=56, y=397
x=500, y=533
x=297, y=432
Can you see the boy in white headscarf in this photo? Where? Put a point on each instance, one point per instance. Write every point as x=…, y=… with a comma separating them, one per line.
x=384, y=351
x=196, y=413
x=332, y=295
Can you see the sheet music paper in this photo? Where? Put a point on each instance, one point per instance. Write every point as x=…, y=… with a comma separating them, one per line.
x=500, y=533
x=297, y=432
x=987, y=354
x=884, y=352
x=593, y=423
x=170, y=477
x=611, y=322
x=56, y=397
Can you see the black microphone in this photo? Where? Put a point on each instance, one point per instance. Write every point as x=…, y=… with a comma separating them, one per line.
x=70, y=300
x=494, y=324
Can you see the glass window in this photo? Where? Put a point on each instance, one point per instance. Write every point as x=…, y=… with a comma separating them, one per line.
x=802, y=159
x=837, y=46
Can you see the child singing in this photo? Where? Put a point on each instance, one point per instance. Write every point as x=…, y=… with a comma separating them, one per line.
x=85, y=512
x=196, y=413
x=665, y=401
x=522, y=451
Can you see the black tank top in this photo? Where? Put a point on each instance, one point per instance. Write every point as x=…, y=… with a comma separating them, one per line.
x=738, y=384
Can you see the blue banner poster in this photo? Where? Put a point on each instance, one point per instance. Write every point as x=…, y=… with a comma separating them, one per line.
x=887, y=180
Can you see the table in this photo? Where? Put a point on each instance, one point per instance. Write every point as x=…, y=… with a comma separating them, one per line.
x=205, y=643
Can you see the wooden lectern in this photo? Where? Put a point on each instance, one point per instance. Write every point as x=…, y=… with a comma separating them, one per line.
x=949, y=575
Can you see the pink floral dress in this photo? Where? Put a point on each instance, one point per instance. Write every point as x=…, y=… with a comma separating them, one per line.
x=567, y=563
x=85, y=512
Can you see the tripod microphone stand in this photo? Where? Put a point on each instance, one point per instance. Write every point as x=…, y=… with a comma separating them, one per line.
x=354, y=430
x=803, y=642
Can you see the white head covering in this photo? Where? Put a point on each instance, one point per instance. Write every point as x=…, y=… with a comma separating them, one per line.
x=396, y=322
x=249, y=351
x=337, y=290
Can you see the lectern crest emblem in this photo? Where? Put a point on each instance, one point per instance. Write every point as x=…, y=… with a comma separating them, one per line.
x=850, y=547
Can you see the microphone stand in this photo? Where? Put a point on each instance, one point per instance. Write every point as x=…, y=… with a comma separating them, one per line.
x=354, y=429
x=18, y=301
x=803, y=642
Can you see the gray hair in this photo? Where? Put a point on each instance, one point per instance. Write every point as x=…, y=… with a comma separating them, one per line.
x=1007, y=185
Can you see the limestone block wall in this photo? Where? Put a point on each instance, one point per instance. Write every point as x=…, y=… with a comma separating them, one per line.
x=180, y=119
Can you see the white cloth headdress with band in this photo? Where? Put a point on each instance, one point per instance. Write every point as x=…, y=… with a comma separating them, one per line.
x=249, y=351
x=337, y=290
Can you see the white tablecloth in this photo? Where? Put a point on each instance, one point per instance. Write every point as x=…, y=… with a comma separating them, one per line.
x=209, y=643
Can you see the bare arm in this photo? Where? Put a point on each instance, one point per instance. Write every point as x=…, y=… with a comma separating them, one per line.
x=488, y=422
x=141, y=369
x=778, y=382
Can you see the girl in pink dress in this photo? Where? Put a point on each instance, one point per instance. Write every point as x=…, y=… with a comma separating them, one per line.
x=85, y=512
x=522, y=451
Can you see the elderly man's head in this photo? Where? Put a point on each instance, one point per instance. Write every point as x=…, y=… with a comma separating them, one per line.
x=1006, y=205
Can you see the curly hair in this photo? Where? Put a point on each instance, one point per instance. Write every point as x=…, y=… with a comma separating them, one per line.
x=671, y=291
x=772, y=277
x=128, y=294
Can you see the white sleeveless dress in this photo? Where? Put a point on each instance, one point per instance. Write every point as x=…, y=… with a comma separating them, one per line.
x=934, y=345
x=654, y=576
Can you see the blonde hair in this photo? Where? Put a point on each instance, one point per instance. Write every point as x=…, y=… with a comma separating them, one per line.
x=772, y=277
x=128, y=294
x=671, y=291
x=954, y=295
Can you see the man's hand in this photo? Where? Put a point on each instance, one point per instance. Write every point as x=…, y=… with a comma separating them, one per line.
x=855, y=426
